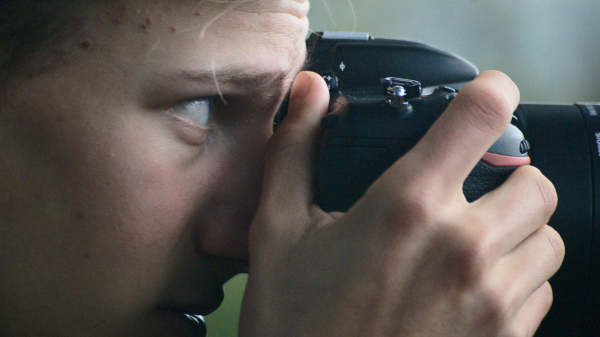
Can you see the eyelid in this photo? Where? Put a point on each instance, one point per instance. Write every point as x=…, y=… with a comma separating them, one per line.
x=199, y=110
x=191, y=122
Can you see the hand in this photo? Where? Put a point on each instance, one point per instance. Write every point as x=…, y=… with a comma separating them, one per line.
x=412, y=257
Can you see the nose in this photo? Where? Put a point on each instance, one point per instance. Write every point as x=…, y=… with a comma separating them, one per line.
x=228, y=210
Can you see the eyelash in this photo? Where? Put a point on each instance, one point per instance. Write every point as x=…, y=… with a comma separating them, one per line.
x=199, y=110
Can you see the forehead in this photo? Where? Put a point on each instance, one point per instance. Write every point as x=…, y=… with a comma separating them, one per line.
x=191, y=34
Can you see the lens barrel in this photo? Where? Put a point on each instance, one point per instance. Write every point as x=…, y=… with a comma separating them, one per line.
x=565, y=146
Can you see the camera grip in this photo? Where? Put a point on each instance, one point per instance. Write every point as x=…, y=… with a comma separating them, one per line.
x=485, y=178
x=506, y=155
x=346, y=167
x=344, y=174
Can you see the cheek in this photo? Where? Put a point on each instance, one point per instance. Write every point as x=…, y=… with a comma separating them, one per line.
x=163, y=192
x=146, y=187
x=100, y=208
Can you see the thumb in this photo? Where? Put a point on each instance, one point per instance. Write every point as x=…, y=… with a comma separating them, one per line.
x=290, y=158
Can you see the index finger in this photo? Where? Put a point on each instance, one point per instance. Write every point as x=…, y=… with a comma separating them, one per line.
x=474, y=120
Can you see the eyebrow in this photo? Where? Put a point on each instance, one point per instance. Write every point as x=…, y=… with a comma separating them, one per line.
x=236, y=77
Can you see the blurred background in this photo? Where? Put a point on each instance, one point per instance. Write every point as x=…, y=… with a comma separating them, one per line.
x=550, y=48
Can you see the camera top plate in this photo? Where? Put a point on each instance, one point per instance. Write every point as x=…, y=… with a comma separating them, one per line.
x=358, y=60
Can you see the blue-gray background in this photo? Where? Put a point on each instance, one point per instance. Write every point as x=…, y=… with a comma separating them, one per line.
x=550, y=49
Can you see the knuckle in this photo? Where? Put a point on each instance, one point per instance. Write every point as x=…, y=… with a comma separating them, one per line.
x=464, y=251
x=496, y=308
x=544, y=297
x=491, y=313
x=470, y=258
x=547, y=296
x=409, y=205
x=556, y=243
x=537, y=189
x=547, y=192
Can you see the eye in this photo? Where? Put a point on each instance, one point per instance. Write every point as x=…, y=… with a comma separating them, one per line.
x=198, y=110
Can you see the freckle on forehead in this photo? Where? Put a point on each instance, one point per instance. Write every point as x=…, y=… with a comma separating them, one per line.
x=117, y=13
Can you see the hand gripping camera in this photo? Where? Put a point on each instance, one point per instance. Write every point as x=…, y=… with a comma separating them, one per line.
x=386, y=94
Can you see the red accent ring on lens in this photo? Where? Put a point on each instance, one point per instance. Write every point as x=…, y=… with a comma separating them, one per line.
x=499, y=160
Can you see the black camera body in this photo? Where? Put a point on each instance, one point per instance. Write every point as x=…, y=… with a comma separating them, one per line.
x=386, y=94
x=369, y=129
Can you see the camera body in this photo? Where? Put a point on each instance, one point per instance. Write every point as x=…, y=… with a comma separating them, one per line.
x=374, y=121
x=386, y=94
x=368, y=129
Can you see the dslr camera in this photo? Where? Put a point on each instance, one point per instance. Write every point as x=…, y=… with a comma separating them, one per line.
x=385, y=95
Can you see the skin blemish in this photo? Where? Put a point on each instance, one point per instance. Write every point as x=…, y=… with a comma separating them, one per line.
x=143, y=27
x=85, y=44
x=80, y=215
x=117, y=14
x=172, y=29
x=197, y=14
x=148, y=22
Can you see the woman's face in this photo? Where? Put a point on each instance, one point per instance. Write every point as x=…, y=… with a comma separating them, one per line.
x=127, y=183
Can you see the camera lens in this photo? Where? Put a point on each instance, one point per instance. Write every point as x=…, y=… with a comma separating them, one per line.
x=565, y=146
